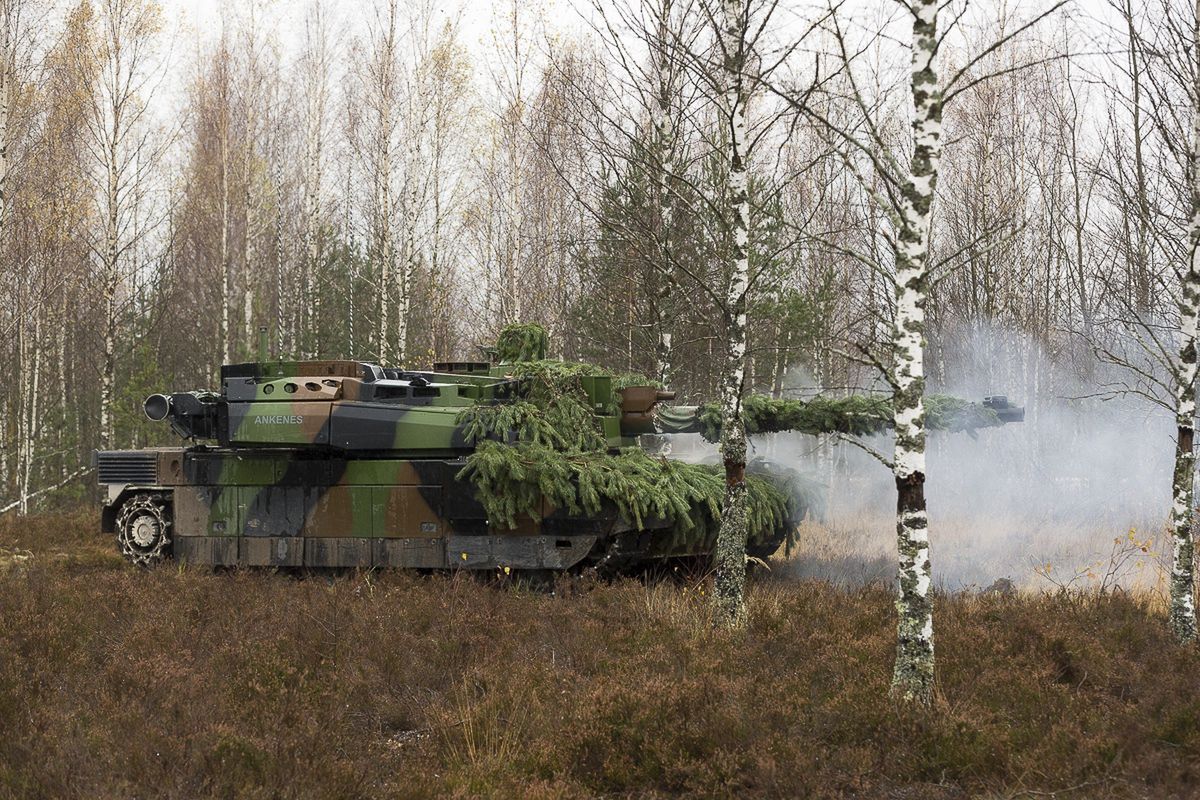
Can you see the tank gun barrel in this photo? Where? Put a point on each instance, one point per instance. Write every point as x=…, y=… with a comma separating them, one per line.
x=858, y=415
x=1005, y=411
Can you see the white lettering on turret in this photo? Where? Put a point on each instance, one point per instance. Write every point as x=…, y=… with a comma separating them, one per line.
x=279, y=419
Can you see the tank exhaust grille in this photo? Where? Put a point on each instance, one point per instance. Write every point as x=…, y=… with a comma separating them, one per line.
x=127, y=466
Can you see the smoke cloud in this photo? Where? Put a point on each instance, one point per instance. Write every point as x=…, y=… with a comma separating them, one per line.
x=1039, y=503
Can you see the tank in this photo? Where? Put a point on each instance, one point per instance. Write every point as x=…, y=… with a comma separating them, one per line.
x=348, y=464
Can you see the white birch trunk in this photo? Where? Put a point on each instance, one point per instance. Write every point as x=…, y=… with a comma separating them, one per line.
x=248, y=254
x=223, y=252
x=385, y=101
x=23, y=388
x=730, y=557
x=280, y=275
x=314, y=147
x=63, y=393
x=514, y=256
x=664, y=135
x=385, y=250
x=912, y=678
x=6, y=79
x=407, y=271
x=109, y=287
x=4, y=476
x=1183, y=604
x=32, y=414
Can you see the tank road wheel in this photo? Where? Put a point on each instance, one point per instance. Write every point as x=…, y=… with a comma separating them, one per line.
x=143, y=529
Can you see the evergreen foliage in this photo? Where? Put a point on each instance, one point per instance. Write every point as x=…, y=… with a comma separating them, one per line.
x=521, y=342
x=857, y=415
x=549, y=444
x=512, y=480
x=547, y=380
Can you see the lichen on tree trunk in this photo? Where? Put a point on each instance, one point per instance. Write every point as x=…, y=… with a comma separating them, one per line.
x=1183, y=607
x=730, y=557
x=729, y=585
x=912, y=678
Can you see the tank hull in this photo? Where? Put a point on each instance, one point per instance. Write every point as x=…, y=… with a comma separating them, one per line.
x=299, y=508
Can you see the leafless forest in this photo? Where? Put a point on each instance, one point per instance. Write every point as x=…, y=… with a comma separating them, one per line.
x=397, y=182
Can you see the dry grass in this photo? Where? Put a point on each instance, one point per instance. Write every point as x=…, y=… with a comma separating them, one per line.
x=856, y=547
x=183, y=683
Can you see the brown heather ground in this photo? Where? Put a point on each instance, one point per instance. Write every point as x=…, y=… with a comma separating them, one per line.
x=182, y=683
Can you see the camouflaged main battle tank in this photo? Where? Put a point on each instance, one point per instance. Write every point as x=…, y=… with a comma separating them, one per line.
x=525, y=464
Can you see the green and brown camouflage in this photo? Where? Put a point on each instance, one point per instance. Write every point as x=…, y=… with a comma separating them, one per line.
x=348, y=464
x=341, y=464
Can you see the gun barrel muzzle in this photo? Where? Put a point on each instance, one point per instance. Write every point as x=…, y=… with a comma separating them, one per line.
x=157, y=407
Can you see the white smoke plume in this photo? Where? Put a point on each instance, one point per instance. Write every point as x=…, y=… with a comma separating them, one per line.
x=1048, y=501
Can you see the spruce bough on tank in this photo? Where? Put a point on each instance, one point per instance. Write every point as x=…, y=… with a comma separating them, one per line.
x=561, y=454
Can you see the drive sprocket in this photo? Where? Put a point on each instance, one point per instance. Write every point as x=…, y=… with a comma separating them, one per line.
x=144, y=529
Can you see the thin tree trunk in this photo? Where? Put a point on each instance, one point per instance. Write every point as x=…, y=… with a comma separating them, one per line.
x=23, y=390
x=1183, y=604
x=32, y=413
x=514, y=256
x=314, y=147
x=111, y=284
x=248, y=254
x=384, y=249
x=408, y=270
x=5, y=105
x=912, y=678
x=730, y=557
x=280, y=281
x=664, y=135
x=223, y=245
x=4, y=449
x=1142, y=280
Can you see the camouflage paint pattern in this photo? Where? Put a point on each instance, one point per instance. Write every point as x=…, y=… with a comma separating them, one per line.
x=326, y=464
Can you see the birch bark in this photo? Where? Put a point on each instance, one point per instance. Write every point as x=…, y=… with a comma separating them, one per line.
x=110, y=283
x=281, y=340
x=517, y=220
x=664, y=136
x=7, y=39
x=313, y=145
x=223, y=245
x=385, y=109
x=912, y=678
x=1183, y=604
x=408, y=270
x=730, y=557
x=249, y=257
x=33, y=414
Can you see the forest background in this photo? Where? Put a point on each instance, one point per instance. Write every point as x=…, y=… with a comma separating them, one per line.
x=396, y=180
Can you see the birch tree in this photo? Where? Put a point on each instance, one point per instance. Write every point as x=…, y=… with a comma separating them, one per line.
x=316, y=63
x=912, y=678
x=730, y=559
x=23, y=280
x=123, y=154
x=902, y=182
x=1183, y=588
x=12, y=36
x=374, y=128
x=1156, y=192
